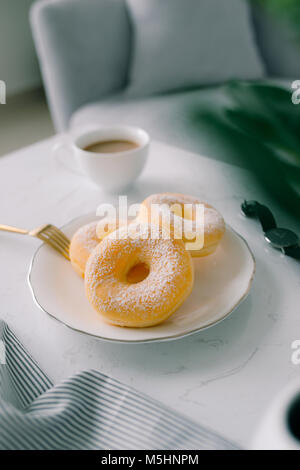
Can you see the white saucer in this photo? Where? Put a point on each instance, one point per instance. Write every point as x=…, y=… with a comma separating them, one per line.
x=222, y=281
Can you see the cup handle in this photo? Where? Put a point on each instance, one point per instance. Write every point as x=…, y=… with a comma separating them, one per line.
x=64, y=155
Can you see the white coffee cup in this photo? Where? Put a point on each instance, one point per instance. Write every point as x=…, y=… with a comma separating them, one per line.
x=112, y=172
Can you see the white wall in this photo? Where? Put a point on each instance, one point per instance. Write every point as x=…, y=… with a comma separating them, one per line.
x=18, y=63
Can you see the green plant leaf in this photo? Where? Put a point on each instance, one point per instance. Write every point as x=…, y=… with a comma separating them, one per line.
x=258, y=123
x=267, y=114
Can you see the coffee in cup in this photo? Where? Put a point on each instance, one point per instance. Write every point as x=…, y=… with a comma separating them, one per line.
x=111, y=146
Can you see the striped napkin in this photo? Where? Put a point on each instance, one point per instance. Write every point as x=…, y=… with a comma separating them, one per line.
x=87, y=411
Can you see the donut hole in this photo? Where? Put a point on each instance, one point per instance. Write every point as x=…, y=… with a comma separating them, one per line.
x=137, y=273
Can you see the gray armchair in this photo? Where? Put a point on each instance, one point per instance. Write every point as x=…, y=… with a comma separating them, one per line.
x=83, y=49
x=84, y=52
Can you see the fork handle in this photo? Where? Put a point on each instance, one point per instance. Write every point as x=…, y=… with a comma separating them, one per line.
x=8, y=228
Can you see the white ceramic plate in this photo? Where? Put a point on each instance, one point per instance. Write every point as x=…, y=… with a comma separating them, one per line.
x=222, y=281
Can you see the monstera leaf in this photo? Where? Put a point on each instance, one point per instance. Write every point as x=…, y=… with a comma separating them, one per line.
x=266, y=113
x=258, y=121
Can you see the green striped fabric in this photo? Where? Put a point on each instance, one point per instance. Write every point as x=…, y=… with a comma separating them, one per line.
x=86, y=411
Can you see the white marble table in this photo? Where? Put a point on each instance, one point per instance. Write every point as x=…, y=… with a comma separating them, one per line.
x=223, y=377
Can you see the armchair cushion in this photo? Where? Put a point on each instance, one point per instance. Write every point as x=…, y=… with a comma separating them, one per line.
x=180, y=43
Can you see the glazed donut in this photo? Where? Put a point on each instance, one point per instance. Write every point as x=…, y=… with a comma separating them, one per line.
x=134, y=280
x=82, y=244
x=173, y=204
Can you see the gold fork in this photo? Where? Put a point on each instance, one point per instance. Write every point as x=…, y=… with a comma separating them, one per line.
x=47, y=233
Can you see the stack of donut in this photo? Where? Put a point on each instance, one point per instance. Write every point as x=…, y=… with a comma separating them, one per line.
x=137, y=273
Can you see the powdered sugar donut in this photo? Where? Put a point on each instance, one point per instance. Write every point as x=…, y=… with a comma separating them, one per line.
x=82, y=244
x=181, y=210
x=134, y=280
x=87, y=238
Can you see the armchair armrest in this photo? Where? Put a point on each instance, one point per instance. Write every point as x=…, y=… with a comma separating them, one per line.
x=83, y=49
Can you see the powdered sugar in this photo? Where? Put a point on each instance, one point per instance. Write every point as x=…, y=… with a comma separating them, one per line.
x=212, y=219
x=188, y=204
x=168, y=283
x=86, y=236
